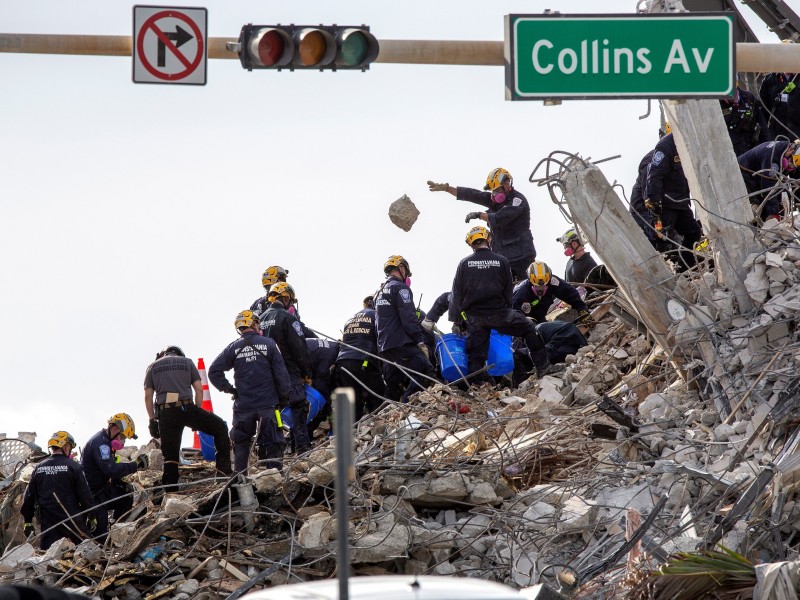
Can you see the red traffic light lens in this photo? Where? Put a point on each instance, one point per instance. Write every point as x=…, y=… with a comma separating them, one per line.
x=312, y=48
x=270, y=48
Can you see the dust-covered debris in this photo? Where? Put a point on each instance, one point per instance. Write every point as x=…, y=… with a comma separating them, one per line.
x=403, y=213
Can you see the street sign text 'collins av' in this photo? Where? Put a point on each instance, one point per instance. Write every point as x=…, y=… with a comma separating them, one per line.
x=620, y=56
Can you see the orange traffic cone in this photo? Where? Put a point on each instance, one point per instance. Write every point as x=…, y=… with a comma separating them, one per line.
x=201, y=366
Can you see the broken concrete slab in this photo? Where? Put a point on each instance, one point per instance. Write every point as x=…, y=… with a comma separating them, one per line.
x=403, y=213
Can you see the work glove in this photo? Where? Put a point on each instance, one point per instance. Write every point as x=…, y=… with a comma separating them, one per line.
x=142, y=462
x=427, y=324
x=91, y=524
x=153, y=428
x=308, y=381
x=653, y=205
x=437, y=187
x=424, y=349
x=28, y=530
x=460, y=328
x=471, y=216
x=584, y=318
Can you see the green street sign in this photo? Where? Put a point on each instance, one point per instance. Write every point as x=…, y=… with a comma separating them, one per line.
x=615, y=56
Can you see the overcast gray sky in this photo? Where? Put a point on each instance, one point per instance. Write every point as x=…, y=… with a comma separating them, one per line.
x=137, y=216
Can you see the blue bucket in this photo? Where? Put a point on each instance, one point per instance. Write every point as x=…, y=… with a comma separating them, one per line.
x=315, y=401
x=500, y=354
x=207, y=448
x=452, y=356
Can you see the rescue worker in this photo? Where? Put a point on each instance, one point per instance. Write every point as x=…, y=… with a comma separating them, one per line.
x=104, y=470
x=481, y=295
x=761, y=168
x=745, y=120
x=781, y=97
x=441, y=306
x=280, y=325
x=356, y=365
x=270, y=277
x=261, y=386
x=508, y=216
x=168, y=385
x=560, y=340
x=400, y=336
x=535, y=296
x=580, y=262
x=322, y=354
x=59, y=490
x=667, y=197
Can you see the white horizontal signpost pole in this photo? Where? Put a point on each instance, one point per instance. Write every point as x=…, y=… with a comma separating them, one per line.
x=616, y=56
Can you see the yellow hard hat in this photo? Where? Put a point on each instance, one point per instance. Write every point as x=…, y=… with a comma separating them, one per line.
x=273, y=275
x=496, y=178
x=60, y=439
x=246, y=318
x=539, y=273
x=282, y=289
x=125, y=424
x=476, y=234
x=395, y=261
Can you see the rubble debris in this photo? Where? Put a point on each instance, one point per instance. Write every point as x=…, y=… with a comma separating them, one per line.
x=403, y=213
x=619, y=473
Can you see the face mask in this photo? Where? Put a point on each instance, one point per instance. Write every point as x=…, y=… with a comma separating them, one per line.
x=408, y=282
x=291, y=310
x=117, y=444
x=498, y=198
x=539, y=290
x=568, y=251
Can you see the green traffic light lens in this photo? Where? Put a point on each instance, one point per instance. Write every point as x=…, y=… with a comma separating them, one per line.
x=312, y=48
x=354, y=49
x=270, y=48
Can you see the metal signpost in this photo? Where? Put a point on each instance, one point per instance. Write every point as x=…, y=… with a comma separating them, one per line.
x=602, y=56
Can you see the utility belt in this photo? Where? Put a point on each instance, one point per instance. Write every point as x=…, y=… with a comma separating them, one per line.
x=173, y=402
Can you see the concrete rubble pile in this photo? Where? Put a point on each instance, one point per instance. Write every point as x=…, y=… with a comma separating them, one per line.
x=583, y=481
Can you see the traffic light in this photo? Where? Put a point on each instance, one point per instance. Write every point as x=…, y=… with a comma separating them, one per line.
x=306, y=47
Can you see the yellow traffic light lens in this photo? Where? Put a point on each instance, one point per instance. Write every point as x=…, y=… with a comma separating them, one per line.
x=270, y=48
x=354, y=49
x=312, y=48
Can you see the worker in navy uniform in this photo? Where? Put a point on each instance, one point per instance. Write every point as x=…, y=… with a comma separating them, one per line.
x=356, y=365
x=482, y=296
x=508, y=216
x=770, y=161
x=323, y=355
x=400, y=336
x=560, y=340
x=535, y=296
x=667, y=197
x=261, y=386
x=270, y=277
x=58, y=489
x=744, y=118
x=781, y=97
x=169, y=383
x=280, y=325
x=580, y=262
x=104, y=470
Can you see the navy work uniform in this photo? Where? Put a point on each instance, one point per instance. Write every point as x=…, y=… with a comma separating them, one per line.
x=58, y=487
x=482, y=292
x=261, y=385
x=745, y=121
x=766, y=158
x=780, y=95
x=280, y=325
x=666, y=187
x=323, y=355
x=357, y=369
x=536, y=307
x=510, y=223
x=104, y=473
x=399, y=336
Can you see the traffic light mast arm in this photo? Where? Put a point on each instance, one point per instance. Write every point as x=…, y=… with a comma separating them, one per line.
x=753, y=58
